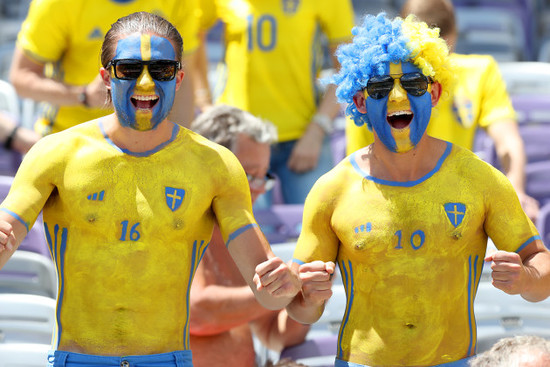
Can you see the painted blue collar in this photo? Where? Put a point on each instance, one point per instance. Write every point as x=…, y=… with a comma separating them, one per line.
x=406, y=183
x=147, y=153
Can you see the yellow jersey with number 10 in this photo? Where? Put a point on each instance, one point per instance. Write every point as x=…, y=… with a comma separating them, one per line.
x=411, y=254
x=272, y=55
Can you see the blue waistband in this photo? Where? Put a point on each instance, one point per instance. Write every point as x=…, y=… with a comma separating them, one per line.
x=59, y=358
x=460, y=363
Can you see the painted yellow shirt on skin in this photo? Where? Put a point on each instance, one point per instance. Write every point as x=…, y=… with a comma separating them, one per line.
x=127, y=232
x=411, y=254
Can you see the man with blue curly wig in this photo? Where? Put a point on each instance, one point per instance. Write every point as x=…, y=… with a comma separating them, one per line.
x=407, y=218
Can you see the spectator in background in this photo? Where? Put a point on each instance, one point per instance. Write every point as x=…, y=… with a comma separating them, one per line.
x=56, y=57
x=479, y=99
x=407, y=217
x=517, y=351
x=224, y=311
x=272, y=65
x=14, y=136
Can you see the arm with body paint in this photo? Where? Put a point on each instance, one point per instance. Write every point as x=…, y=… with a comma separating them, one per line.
x=272, y=281
x=522, y=266
x=316, y=249
x=526, y=273
x=30, y=189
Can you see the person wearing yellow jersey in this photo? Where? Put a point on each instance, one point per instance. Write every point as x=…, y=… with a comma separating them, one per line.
x=129, y=205
x=55, y=59
x=479, y=100
x=407, y=217
x=272, y=60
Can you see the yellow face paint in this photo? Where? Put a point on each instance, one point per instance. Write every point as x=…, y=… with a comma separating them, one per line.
x=398, y=101
x=145, y=85
x=145, y=47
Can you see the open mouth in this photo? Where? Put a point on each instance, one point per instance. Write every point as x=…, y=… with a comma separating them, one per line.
x=400, y=119
x=144, y=102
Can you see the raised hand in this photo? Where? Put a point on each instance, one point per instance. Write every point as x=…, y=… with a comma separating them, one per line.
x=316, y=279
x=7, y=238
x=276, y=277
x=509, y=273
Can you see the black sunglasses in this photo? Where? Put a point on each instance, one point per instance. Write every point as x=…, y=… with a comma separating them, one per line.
x=258, y=183
x=130, y=69
x=416, y=84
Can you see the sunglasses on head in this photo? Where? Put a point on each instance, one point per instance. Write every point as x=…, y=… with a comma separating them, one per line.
x=267, y=182
x=416, y=84
x=130, y=69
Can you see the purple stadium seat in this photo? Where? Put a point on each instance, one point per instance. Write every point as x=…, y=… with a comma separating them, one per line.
x=9, y=162
x=30, y=273
x=484, y=147
x=543, y=224
x=531, y=109
x=35, y=241
x=522, y=10
x=338, y=145
x=536, y=140
x=537, y=181
x=5, y=184
x=315, y=346
x=281, y=222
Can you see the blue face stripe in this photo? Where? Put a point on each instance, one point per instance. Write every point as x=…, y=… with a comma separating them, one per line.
x=353, y=161
x=377, y=110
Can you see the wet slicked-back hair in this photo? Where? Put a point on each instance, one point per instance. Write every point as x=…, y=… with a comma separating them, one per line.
x=143, y=23
x=379, y=40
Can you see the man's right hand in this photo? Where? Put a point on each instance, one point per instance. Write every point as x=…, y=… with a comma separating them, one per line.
x=7, y=238
x=316, y=279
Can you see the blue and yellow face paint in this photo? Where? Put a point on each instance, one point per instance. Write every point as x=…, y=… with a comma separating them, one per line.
x=381, y=112
x=142, y=104
x=379, y=41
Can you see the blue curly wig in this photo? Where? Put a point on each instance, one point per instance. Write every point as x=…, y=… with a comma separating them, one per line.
x=379, y=40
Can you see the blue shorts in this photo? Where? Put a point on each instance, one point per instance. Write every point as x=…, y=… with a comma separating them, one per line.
x=61, y=358
x=460, y=363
